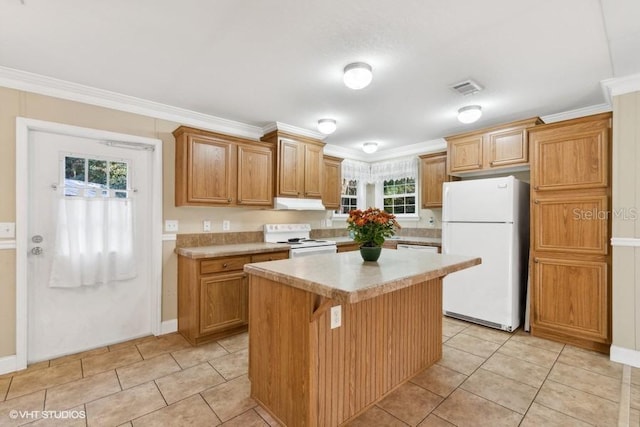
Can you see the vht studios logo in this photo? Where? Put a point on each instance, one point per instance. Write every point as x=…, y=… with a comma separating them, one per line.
x=624, y=214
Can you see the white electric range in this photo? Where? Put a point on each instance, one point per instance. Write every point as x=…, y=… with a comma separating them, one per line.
x=297, y=235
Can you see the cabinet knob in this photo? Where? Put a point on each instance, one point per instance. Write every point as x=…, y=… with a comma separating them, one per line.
x=229, y=199
x=536, y=201
x=536, y=188
x=225, y=265
x=536, y=260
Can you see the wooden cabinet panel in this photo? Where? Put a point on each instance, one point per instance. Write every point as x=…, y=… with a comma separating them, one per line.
x=223, y=302
x=219, y=170
x=212, y=166
x=271, y=256
x=332, y=188
x=503, y=147
x=574, y=160
x=313, y=179
x=576, y=224
x=507, y=147
x=433, y=171
x=349, y=247
x=465, y=153
x=255, y=176
x=290, y=167
x=571, y=297
x=218, y=265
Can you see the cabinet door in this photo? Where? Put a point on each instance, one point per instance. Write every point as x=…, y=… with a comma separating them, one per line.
x=433, y=173
x=332, y=183
x=255, y=176
x=210, y=171
x=571, y=224
x=313, y=180
x=571, y=157
x=290, y=168
x=506, y=148
x=348, y=247
x=571, y=297
x=465, y=153
x=223, y=302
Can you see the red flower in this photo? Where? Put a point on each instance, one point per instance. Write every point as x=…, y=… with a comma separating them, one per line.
x=372, y=226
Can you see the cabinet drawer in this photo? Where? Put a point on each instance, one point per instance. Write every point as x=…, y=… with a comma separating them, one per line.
x=270, y=256
x=218, y=265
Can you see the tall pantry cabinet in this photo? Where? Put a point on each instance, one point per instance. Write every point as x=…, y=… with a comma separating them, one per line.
x=570, y=231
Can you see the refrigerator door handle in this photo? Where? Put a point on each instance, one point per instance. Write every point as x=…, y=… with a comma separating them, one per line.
x=446, y=207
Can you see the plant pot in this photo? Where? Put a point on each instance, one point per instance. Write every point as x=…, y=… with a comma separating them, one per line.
x=370, y=253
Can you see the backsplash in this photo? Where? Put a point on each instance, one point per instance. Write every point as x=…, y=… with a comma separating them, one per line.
x=326, y=233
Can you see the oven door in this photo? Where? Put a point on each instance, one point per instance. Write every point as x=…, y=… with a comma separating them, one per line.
x=316, y=250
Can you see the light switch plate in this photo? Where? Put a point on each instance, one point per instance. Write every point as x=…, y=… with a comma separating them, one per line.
x=226, y=225
x=336, y=316
x=206, y=225
x=7, y=230
x=171, y=225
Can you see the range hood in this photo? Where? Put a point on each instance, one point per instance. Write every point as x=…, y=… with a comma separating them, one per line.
x=293, y=204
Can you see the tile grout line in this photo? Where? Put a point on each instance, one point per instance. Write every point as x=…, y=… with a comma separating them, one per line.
x=624, y=409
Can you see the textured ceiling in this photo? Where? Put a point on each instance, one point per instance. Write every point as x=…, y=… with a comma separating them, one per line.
x=259, y=61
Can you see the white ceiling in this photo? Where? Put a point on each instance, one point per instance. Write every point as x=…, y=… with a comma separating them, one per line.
x=257, y=61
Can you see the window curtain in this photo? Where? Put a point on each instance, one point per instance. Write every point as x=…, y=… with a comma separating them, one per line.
x=355, y=170
x=93, y=242
x=395, y=169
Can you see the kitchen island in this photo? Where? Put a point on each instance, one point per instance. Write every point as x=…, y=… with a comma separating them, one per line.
x=387, y=327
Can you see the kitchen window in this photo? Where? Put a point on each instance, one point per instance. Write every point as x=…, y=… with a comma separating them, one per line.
x=349, y=196
x=396, y=189
x=399, y=196
x=355, y=175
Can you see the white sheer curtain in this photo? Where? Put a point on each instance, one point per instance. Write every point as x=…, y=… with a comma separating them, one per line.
x=355, y=170
x=394, y=169
x=94, y=241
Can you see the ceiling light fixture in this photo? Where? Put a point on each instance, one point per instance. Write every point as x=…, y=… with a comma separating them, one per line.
x=469, y=114
x=370, y=147
x=327, y=126
x=357, y=75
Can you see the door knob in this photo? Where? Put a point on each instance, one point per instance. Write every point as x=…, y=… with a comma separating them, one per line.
x=37, y=250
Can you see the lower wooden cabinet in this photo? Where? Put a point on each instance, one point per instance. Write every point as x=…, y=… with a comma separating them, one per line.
x=571, y=301
x=349, y=247
x=213, y=295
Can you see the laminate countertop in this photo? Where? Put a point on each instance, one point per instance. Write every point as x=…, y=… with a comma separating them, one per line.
x=198, y=252
x=346, y=278
x=409, y=240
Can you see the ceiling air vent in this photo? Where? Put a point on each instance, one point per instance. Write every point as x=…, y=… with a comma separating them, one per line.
x=467, y=87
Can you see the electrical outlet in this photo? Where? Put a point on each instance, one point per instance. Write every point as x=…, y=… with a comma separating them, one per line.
x=336, y=316
x=171, y=225
x=7, y=230
x=328, y=222
x=206, y=225
x=226, y=225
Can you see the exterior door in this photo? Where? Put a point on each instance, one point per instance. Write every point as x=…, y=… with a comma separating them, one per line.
x=66, y=316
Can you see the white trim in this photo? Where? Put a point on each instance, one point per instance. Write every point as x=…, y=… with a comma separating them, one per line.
x=624, y=355
x=619, y=86
x=7, y=244
x=169, y=326
x=169, y=237
x=8, y=364
x=579, y=112
x=23, y=127
x=293, y=129
x=625, y=241
x=43, y=85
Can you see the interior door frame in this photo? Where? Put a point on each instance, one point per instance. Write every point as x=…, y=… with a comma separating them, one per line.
x=24, y=126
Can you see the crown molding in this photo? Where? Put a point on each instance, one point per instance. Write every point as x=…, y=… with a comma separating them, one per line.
x=619, y=86
x=270, y=127
x=579, y=112
x=426, y=147
x=43, y=85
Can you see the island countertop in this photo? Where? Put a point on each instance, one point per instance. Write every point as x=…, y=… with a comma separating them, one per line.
x=346, y=278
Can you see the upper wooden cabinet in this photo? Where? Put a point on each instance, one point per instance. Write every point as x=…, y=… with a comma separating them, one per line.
x=332, y=182
x=502, y=147
x=433, y=172
x=299, y=171
x=574, y=156
x=213, y=169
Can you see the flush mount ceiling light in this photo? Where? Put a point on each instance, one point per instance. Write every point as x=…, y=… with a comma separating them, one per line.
x=357, y=75
x=370, y=147
x=469, y=114
x=327, y=126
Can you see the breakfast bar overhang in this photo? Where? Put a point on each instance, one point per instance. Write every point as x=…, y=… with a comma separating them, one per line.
x=306, y=373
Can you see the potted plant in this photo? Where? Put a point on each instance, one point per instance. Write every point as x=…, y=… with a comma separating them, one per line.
x=370, y=228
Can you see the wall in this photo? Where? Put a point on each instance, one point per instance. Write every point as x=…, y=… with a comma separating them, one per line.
x=626, y=198
x=15, y=103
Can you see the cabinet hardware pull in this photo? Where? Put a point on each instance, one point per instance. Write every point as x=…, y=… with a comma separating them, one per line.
x=225, y=265
x=536, y=188
x=536, y=201
x=536, y=260
x=229, y=199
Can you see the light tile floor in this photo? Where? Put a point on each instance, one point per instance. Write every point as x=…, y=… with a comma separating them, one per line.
x=485, y=378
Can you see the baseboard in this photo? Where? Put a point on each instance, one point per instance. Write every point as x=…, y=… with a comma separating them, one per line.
x=8, y=364
x=625, y=355
x=169, y=326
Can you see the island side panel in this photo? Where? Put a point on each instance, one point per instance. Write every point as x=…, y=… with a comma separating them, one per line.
x=279, y=355
x=381, y=344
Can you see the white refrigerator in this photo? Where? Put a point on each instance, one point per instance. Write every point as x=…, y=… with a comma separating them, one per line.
x=487, y=218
